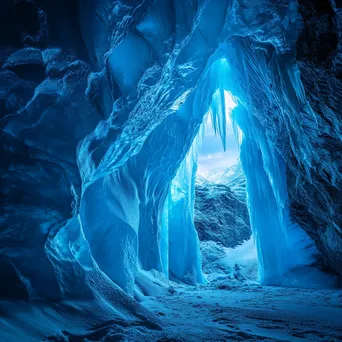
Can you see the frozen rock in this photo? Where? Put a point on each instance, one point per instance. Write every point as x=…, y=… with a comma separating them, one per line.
x=220, y=215
x=24, y=57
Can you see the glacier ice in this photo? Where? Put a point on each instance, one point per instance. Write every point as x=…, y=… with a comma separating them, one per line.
x=282, y=245
x=279, y=250
x=184, y=253
x=99, y=115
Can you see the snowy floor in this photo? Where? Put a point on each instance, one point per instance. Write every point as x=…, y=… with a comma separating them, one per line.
x=244, y=313
x=251, y=313
x=230, y=307
x=234, y=265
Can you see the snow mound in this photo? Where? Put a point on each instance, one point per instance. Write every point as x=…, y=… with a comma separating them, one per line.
x=223, y=265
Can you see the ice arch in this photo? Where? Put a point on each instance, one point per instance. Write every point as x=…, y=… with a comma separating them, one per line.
x=103, y=135
x=283, y=247
x=145, y=217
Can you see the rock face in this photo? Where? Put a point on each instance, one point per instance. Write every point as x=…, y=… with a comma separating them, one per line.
x=222, y=222
x=316, y=194
x=221, y=213
x=293, y=122
x=41, y=92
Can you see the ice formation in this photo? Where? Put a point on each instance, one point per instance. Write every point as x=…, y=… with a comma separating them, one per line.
x=184, y=252
x=101, y=103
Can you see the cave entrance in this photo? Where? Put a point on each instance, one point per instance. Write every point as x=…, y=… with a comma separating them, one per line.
x=221, y=215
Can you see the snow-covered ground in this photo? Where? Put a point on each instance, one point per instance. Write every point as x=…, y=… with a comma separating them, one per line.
x=185, y=313
x=230, y=265
x=250, y=313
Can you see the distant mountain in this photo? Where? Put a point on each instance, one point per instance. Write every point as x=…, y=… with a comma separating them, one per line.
x=232, y=176
x=221, y=213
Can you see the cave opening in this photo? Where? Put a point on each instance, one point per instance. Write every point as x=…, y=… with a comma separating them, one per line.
x=234, y=177
x=221, y=215
x=125, y=214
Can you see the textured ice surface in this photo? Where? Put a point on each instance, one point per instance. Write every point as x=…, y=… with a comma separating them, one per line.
x=100, y=103
x=184, y=253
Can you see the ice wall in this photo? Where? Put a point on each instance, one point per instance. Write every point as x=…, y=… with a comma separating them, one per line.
x=282, y=245
x=185, y=261
x=279, y=129
x=92, y=136
x=164, y=111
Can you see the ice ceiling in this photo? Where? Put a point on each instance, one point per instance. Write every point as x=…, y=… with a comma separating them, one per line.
x=99, y=147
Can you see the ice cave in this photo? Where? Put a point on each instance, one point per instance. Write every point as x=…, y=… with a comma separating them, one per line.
x=171, y=170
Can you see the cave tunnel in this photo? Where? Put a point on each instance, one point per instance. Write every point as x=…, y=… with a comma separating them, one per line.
x=170, y=170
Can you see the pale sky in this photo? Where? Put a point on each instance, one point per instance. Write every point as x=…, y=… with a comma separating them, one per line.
x=212, y=155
